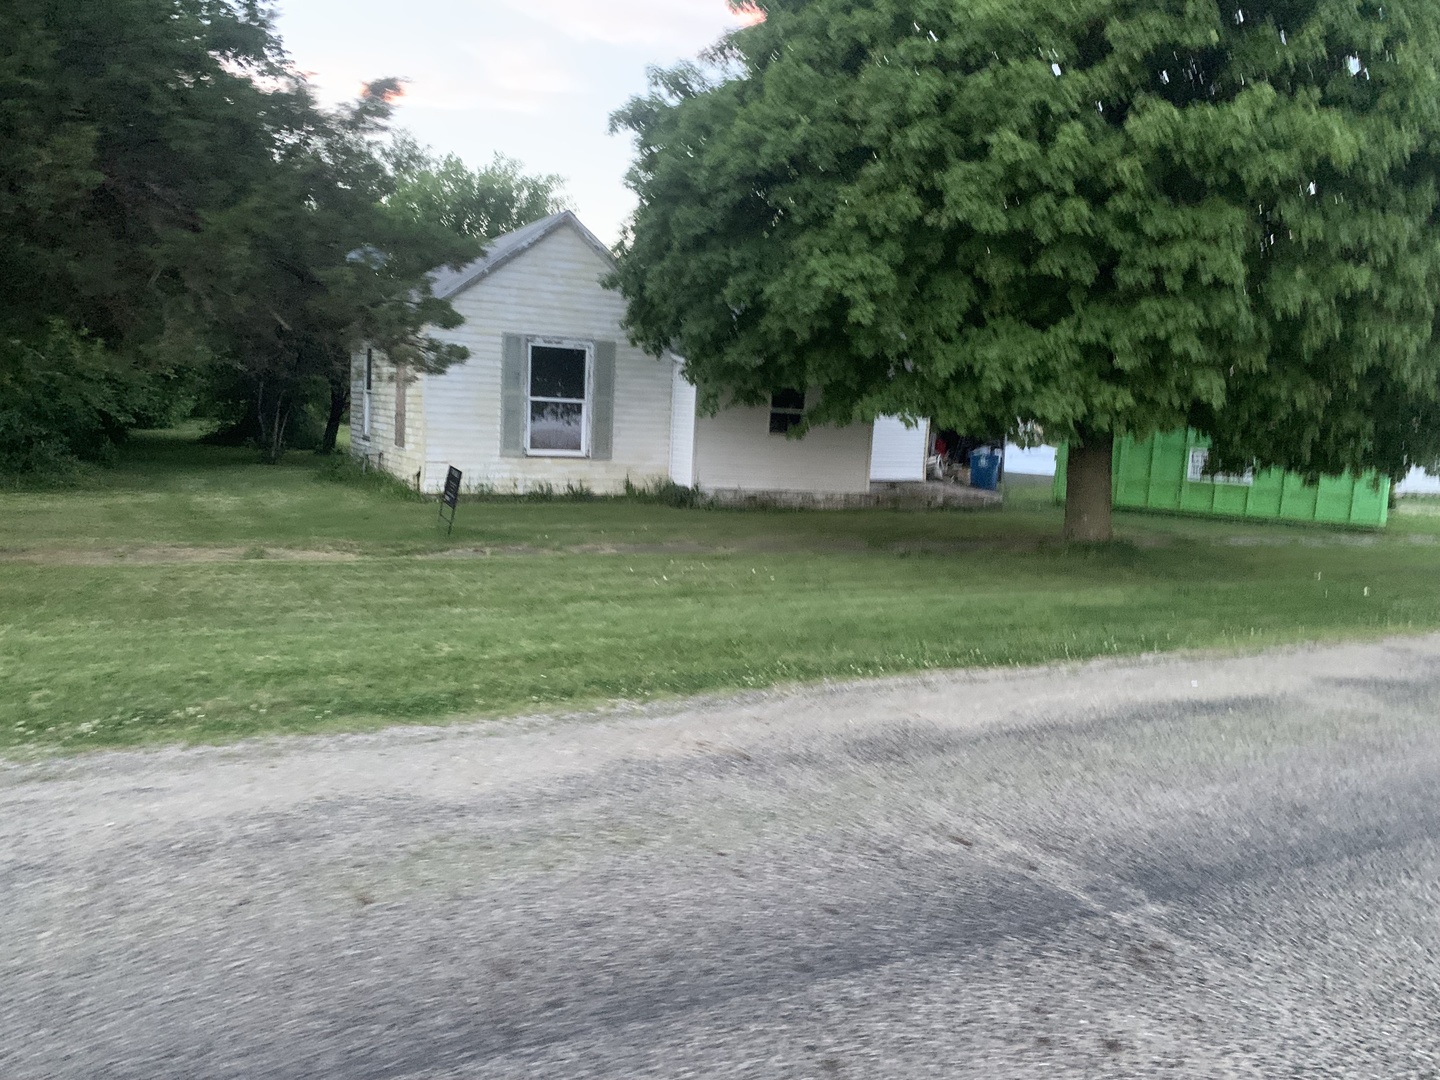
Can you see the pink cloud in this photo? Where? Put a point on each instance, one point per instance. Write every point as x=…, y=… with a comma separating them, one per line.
x=748, y=14
x=681, y=26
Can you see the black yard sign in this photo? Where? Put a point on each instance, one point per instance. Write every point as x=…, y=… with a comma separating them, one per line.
x=450, y=497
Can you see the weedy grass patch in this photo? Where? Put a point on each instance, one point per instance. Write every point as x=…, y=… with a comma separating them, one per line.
x=191, y=594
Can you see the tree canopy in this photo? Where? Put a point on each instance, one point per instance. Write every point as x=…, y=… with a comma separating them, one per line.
x=483, y=203
x=1105, y=217
x=310, y=263
x=180, y=218
x=124, y=120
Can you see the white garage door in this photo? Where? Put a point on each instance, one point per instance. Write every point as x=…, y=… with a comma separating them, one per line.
x=898, y=452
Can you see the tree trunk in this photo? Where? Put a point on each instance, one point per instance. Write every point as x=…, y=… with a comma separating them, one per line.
x=1087, y=490
x=339, y=400
x=273, y=434
x=260, y=414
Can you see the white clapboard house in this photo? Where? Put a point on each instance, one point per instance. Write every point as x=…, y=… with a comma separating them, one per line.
x=553, y=394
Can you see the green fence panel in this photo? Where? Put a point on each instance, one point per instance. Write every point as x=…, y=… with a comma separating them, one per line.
x=1266, y=495
x=1298, y=501
x=1230, y=500
x=1131, y=474
x=1332, y=500
x=1156, y=474
x=1167, y=471
x=1372, y=502
x=1196, y=498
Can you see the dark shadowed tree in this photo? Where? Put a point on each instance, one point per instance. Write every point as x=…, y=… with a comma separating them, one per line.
x=1105, y=217
x=311, y=263
x=123, y=122
x=173, y=201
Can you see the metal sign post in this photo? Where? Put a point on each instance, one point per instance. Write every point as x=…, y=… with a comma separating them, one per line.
x=450, y=497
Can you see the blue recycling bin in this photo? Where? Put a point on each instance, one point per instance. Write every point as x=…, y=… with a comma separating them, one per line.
x=984, y=469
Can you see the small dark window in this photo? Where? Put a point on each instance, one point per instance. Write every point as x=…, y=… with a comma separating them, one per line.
x=366, y=397
x=787, y=408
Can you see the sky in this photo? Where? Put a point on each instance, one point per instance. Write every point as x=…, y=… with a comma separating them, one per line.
x=535, y=80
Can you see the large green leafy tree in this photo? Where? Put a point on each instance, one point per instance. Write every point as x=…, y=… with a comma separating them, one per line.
x=1103, y=216
x=122, y=121
x=312, y=262
x=173, y=201
x=482, y=203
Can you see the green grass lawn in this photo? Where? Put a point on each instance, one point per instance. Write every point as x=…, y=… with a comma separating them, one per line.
x=193, y=594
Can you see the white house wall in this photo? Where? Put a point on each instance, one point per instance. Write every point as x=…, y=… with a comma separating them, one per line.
x=1036, y=461
x=405, y=461
x=551, y=291
x=735, y=450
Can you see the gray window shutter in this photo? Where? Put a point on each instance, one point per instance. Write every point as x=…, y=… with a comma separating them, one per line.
x=400, y=386
x=512, y=397
x=602, y=416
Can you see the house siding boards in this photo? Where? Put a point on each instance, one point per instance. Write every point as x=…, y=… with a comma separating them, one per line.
x=735, y=451
x=543, y=281
x=682, y=429
x=403, y=461
x=549, y=290
x=552, y=290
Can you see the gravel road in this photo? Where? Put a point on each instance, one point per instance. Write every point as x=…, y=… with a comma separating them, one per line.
x=1191, y=867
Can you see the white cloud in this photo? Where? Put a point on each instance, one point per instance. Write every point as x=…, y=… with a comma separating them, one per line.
x=683, y=26
x=535, y=79
x=508, y=76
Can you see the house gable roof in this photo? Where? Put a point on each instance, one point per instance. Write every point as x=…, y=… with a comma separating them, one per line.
x=447, y=283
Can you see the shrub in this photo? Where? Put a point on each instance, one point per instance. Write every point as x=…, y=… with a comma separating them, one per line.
x=665, y=492
x=63, y=399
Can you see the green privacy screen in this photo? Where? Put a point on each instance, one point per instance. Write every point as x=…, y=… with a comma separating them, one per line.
x=1168, y=472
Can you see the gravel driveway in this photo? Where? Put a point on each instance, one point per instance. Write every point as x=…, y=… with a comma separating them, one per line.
x=1194, y=867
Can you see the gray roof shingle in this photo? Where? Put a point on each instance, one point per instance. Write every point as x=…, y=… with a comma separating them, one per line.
x=447, y=283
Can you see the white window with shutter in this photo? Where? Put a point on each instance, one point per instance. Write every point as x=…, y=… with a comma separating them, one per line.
x=557, y=397
x=557, y=419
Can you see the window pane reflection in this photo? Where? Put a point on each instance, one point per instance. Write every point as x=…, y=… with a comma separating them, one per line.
x=555, y=425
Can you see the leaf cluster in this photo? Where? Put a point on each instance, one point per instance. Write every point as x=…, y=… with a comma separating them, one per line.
x=311, y=262
x=1098, y=216
x=481, y=203
x=172, y=194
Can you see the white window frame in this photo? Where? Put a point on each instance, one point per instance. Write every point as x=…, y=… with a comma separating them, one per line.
x=1197, y=471
x=366, y=395
x=587, y=403
x=793, y=413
